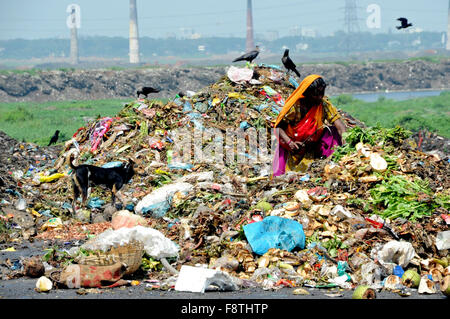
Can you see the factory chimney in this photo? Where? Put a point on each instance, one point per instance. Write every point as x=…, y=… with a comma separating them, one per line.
x=134, y=36
x=73, y=23
x=249, y=44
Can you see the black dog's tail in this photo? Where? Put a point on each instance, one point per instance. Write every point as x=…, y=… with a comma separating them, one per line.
x=70, y=161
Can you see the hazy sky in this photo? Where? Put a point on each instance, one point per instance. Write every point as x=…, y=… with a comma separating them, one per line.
x=34, y=19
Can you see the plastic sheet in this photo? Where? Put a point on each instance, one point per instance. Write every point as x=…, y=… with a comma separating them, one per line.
x=158, y=202
x=275, y=232
x=239, y=75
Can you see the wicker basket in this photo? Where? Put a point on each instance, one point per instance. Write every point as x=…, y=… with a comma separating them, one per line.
x=130, y=254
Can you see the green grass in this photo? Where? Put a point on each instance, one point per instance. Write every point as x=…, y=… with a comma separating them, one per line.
x=36, y=122
x=431, y=113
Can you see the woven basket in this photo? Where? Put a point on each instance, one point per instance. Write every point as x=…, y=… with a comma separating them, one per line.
x=130, y=254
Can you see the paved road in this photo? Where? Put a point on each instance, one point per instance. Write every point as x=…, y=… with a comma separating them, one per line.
x=23, y=288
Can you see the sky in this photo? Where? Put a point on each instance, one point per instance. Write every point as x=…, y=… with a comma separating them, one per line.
x=42, y=19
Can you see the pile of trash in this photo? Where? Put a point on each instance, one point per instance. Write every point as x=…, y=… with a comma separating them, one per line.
x=375, y=209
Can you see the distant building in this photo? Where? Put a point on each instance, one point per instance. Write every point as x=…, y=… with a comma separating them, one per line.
x=272, y=35
x=189, y=33
x=295, y=31
x=308, y=32
x=301, y=46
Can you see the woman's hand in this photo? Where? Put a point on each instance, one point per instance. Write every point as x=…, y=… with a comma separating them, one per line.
x=341, y=127
x=294, y=145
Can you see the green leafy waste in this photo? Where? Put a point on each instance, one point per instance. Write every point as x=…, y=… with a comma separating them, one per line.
x=397, y=197
x=389, y=138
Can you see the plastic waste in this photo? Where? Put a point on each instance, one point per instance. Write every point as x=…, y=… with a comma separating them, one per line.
x=50, y=178
x=17, y=175
x=239, y=75
x=197, y=177
x=267, y=277
x=274, y=232
x=342, y=281
x=341, y=212
x=198, y=279
x=273, y=95
x=371, y=274
x=395, y=253
x=100, y=129
x=177, y=165
x=124, y=218
x=159, y=201
x=21, y=204
x=293, y=82
x=155, y=243
x=244, y=125
x=95, y=202
x=443, y=240
x=112, y=164
x=398, y=271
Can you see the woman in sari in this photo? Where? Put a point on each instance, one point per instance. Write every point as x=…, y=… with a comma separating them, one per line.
x=307, y=127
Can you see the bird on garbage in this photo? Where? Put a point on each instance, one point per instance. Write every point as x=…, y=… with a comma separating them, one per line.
x=404, y=23
x=54, y=138
x=249, y=56
x=146, y=90
x=288, y=63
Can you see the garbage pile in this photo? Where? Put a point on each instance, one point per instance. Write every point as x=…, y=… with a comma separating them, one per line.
x=375, y=209
x=19, y=162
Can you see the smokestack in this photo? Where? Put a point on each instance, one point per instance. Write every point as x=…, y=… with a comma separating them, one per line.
x=73, y=22
x=73, y=46
x=134, y=37
x=448, y=27
x=249, y=44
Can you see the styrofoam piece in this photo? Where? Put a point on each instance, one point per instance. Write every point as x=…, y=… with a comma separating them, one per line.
x=198, y=279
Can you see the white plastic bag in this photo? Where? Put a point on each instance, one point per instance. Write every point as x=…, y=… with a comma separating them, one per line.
x=155, y=243
x=239, y=75
x=396, y=253
x=443, y=240
x=159, y=201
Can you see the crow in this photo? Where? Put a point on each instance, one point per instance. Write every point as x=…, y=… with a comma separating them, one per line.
x=404, y=22
x=249, y=56
x=288, y=63
x=146, y=90
x=54, y=138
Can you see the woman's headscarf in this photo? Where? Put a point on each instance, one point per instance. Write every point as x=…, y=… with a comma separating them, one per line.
x=295, y=96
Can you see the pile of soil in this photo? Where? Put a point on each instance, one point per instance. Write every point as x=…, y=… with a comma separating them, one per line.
x=58, y=85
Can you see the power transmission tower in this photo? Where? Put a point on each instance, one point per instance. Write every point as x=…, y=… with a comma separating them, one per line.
x=249, y=44
x=134, y=35
x=351, y=24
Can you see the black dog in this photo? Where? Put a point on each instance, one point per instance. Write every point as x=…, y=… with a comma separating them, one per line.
x=146, y=90
x=113, y=178
x=54, y=138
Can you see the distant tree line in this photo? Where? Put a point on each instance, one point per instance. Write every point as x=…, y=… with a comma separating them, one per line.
x=117, y=47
